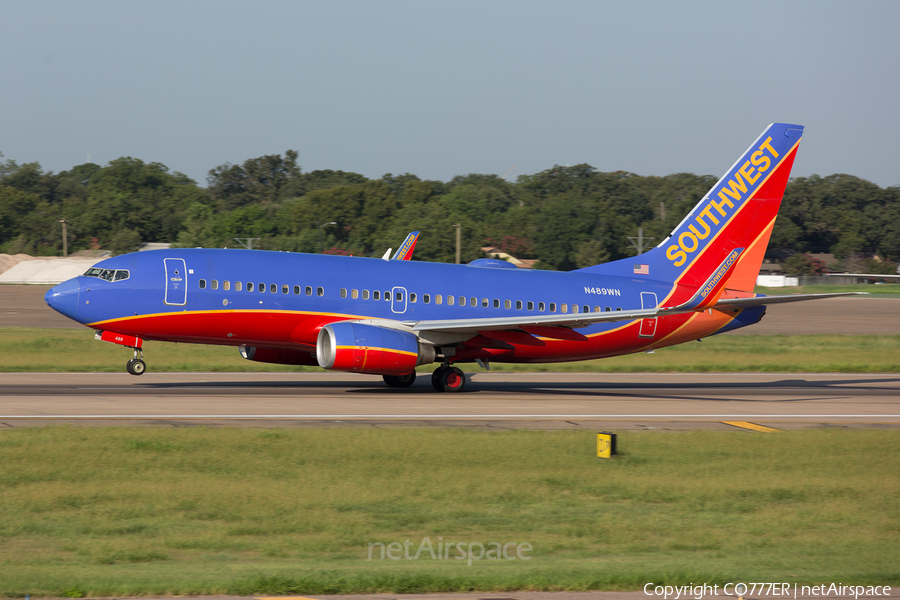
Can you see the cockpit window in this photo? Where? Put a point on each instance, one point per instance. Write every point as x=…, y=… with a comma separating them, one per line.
x=108, y=274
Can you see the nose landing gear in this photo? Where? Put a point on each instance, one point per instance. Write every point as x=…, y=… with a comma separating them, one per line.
x=136, y=366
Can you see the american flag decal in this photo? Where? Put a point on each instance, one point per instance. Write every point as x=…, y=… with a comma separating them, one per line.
x=641, y=269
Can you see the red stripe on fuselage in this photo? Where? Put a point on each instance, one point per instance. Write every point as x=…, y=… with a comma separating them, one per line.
x=294, y=330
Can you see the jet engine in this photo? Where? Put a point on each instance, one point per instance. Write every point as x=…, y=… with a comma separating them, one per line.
x=370, y=349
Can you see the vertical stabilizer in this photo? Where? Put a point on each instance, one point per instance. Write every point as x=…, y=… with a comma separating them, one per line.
x=737, y=213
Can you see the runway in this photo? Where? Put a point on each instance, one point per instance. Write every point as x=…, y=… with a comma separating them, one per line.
x=492, y=400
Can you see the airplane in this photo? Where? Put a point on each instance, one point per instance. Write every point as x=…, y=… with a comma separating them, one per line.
x=386, y=317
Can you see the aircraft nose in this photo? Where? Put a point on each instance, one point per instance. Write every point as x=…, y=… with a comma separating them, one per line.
x=63, y=298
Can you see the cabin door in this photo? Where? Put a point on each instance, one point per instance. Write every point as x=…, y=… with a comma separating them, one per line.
x=398, y=300
x=176, y=282
x=648, y=326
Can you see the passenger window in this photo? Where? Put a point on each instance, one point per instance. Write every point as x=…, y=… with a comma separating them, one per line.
x=387, y=296
x=518, y=305
x=376, y=295
x=237, y=286
x=426, y=298
x=273, y=288
x=365, y=294
x=438, y=299
x=496, y=303
x=484, y=302
x=473, y=301
x=574, y=309
x=284, y=289
x=215, y=284
x=541, y=306
x=451, y=300
x=507, y=304
x=530, y=305
x=564, y=308
x=308, y=290
x=343, y=293
x=226, y=285
x=261, y=288
x=354, y=294
x=202, y=284
x=596, y=309
x=296, y=290
x=249, y=286
x=412, y=297
x=320, y=291
x=399, y=297
x=585, y=308
x=608, y=309
x=618, y=308
x=553, y=307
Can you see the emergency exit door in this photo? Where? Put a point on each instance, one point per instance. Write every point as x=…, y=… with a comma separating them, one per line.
x=648, y=326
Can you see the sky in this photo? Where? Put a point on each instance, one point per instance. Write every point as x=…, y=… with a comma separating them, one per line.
x=440, y=89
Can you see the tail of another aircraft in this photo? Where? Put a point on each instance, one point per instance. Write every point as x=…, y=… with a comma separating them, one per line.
x=722, y=241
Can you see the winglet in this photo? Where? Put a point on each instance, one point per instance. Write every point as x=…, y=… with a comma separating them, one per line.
x=405, y=251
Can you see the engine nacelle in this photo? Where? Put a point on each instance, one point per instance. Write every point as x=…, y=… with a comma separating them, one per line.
x=278, y=356
x=370, y=349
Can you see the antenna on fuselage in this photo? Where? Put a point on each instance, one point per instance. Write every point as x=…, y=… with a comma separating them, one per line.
x=247, y=242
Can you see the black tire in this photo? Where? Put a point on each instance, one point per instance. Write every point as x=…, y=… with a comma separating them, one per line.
x=400, y=381
x=138, y=367
x=453, y=380
x=436, y=379
x=406, y=380
x=128, y=366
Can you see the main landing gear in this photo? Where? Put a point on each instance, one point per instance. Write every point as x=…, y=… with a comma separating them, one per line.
x=448, y=379
x=400, y=381
x=444, y=379
x=136, y=366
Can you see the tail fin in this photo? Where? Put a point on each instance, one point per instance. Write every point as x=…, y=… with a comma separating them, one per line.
x=738, y=213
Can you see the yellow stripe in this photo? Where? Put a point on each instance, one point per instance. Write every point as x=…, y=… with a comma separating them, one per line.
x=753, y=426
x=230, y=311
x=367, y=348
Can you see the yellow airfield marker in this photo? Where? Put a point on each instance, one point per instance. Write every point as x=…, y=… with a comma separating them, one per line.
x=753, y=426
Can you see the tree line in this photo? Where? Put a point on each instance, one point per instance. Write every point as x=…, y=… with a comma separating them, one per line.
x=566, y=216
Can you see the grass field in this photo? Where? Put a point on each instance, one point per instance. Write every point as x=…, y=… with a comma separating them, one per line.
x=43, y=350
x=131, y=511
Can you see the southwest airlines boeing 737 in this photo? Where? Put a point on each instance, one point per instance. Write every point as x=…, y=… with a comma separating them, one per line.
x=386, y=317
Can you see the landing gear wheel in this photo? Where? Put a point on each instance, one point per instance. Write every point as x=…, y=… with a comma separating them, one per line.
x=453, y=380
x=136, y=366
x=436, y=378
x=400, y=381
x=128, y=366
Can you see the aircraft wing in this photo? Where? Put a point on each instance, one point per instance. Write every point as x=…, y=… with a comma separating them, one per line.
x=549, y=325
